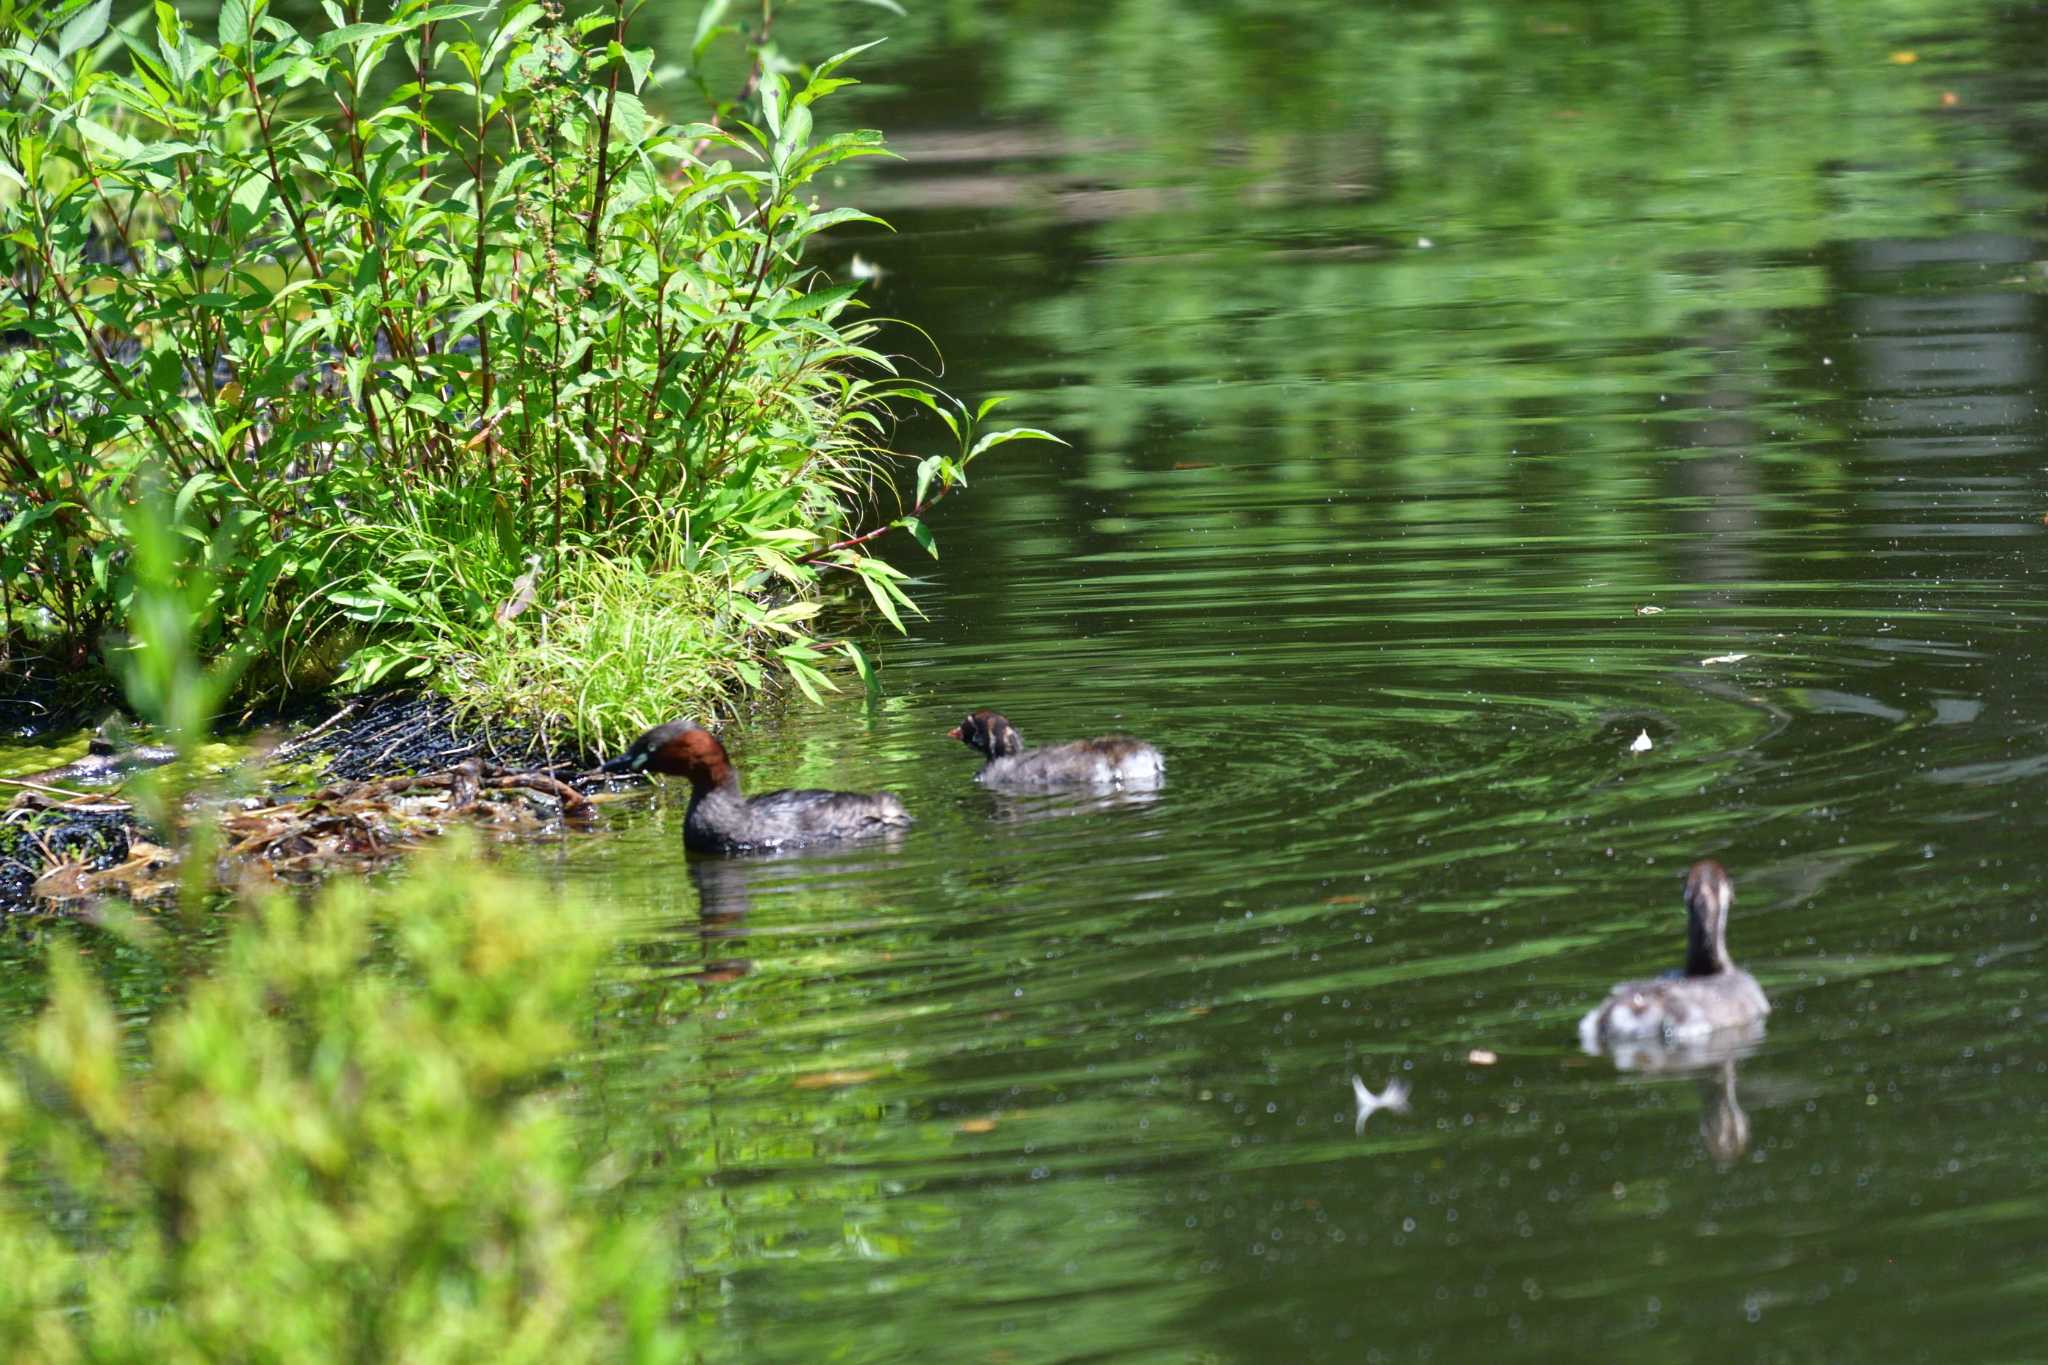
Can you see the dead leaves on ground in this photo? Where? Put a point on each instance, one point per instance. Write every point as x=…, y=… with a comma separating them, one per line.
x=350, y=826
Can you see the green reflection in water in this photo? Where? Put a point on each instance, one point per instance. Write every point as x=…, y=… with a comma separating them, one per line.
x=1720, y=316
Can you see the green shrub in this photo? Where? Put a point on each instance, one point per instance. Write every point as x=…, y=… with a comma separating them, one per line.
x=397, y=305
x=341, y=1145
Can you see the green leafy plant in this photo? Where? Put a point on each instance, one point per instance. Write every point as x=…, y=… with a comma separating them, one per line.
x=395, y=305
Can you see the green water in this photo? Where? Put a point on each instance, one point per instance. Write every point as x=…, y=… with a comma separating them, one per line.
x=1407, y=360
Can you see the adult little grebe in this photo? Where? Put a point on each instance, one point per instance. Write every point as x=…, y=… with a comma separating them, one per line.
x=1712, y=995
x=1113, y=761
x=721, y=820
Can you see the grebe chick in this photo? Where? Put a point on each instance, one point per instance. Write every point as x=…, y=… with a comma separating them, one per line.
x=1713, y=994
x=1114, y=762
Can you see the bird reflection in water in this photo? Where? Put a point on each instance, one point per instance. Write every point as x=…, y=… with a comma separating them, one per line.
x=726, y=887
x=1023, y=808
x=724, y=899
x=1724, y=1126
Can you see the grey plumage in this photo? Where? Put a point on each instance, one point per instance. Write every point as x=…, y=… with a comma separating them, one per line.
x=1110, y=763
x=1713, y=994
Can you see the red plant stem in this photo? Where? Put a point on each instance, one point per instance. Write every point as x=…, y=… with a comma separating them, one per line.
x=864, y=537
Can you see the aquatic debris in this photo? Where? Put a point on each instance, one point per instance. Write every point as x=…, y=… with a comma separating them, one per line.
x=1642, y=743
x=85, y=848
x=367, y=823
x=43, y=840
x=1394, y=1099
x=1725, y=659
x=1480, y=1056
x=1649, y=611
x=833, y=1080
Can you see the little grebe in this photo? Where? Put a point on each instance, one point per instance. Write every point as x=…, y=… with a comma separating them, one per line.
x=1713, y=994
x=720, y=820
x=1116, y=761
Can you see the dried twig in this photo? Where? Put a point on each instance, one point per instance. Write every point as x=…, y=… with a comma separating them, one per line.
x=39, y=787
x=292, y=746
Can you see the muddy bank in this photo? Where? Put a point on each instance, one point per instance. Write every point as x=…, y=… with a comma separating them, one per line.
x=370, y=779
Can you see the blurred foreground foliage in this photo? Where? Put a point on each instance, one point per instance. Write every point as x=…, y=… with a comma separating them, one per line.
x=348, y=1142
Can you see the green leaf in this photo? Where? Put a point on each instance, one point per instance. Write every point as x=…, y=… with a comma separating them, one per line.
x=85, y=28
x=120, y=144
x=839, y=59
x=508, y=32
x=35, y=62
x=27, y=517
x=860, y=663
x=808, y=679
x=922, y=534
x=996, y=438
x=830, y=218
x=460, y=324
x=434, y=14
x=350, y=34
x=709, y=24
x=639, y=61
x=194, y=486
x=234, y=23
x=878, y=589
x=387, y=593
x=629, y=117
x=927, y=469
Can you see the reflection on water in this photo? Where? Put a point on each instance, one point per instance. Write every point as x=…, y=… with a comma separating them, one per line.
x=1723, y=1125
x=1708, y=410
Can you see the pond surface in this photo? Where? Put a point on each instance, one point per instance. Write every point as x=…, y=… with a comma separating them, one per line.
x=1452, y=399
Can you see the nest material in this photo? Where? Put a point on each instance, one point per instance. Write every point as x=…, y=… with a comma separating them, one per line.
x=60, y=848
x=364, y=824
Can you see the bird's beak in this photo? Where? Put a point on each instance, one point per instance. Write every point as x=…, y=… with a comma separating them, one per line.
x=623, y=763
x=953, y=733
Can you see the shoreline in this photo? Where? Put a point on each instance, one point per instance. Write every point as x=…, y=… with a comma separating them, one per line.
x=398, y=768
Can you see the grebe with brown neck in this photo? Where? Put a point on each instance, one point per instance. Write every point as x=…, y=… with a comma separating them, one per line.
x=721, y=820
x=1714, y=994
x=1113, y=762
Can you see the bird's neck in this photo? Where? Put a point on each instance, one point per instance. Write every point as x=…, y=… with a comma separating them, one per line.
x=1706, y=954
